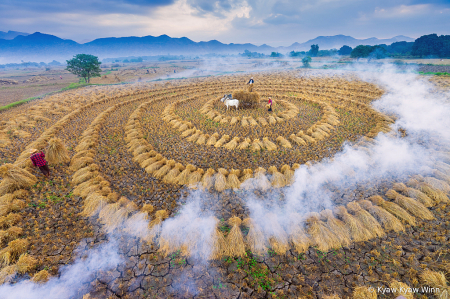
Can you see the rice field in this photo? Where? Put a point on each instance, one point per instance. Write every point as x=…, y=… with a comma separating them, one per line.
x=126, y=161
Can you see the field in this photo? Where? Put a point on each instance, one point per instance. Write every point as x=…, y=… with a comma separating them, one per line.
x=166, y=194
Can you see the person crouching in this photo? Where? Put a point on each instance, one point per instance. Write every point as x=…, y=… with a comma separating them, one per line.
x=269, y=105
x=38, y=159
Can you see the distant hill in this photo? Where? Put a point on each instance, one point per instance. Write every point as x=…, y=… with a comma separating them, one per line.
x=337, y=41
x=11, y=34
x=45, y=47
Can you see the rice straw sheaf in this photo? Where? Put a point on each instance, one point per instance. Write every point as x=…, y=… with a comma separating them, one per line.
x=16, y=175
x=438, y=281
x=389, y=221
x=202, y=139
x=436, y=195
x=413, y=193
x=83, y=178
x=438, y=184
x=7, y=274
x=297, y=234
x=146, y=163
x=305, y=137
x=188, y=132
x=261, y=180
x=26, y=263
x=394, y=209
x=232, y=144
x=235, y=240
x=233, y=179
x=195, y=178
x=218, y=242
x=76, y=164
x=93, y=203
x=213, y=139
x=299, y=141
x=57, y=152
x=244, y=144
x=278, y=239
x=269, y=145
x=220, y=183
x=333, y=296
x=411, y=205
x=255, y=239
x=222, y=141
x=337, y=227
x=366, y=219
x=41, y=277
x=183, y=178
x=155, y=224
x=194, y=136
x=86, y=153
x=272, y=120
x=364, y=293
x=247, y=174
x=278, y=180
x=171, y=176
x=234, y=120
x=155, y=166
x=401, y=289
x=321, y=235
x=357, y=230
x=160, y=173
x=257, y=145
x=208, y=179
x=288, y=174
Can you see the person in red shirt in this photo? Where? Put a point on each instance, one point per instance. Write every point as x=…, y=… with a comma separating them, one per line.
x=38, y=159
x=270, y=105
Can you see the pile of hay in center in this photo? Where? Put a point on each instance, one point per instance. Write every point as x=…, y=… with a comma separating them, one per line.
x=247, y=99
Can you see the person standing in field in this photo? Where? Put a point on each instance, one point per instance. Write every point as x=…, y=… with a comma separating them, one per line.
x=270, y=105
x=38, y=159
x=251, y=81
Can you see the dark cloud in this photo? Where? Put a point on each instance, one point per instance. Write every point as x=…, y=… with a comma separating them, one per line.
x=216, y=7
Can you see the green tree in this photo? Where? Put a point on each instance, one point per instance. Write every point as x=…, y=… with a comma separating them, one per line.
x=85, y=66
x=361, y=51
x=306, y=61
x=345, y=50
x=314, y=50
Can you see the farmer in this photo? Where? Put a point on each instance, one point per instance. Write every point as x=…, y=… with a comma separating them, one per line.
x=251, y=81
x=37, y=157
x=270, y=105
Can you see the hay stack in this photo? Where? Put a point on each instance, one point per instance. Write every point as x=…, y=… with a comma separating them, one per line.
x=247, y=174
x=208, y=179
x=247, y=99
x=288, y=174
x=337, y=227
x=213, y=139
x=93, y=203
x=194, y=136
x=220, y=180
x=255, y=239
x=263, y=121
x=413, y=193
x=272, y=120
x=297, y=234
x=393, y=209
x=278, y=238
x=262, y=182
x=234, y=120
x=436, y=280
x=389, y=221
x=183, y=178
x=235, y=240
x=257, y=145
x=218, y=242
x=171, y=176
x=232, y=144
x=194, y=178
x=357, y=230
x=188, y=132
x=366, y=219
x=305, y=137
x=155, y=166
x=364, y=293
x=436, y=195
x=17, y=176
x=278, y=180
x=202, y=139
x=57, y=152
x=41, y=277
x=321, y=235
x=299, y=141
x=411, y=205
x=244, y=121
x=160, y=173
x=283, y=142
x=224, y=139
x=244, y=144
x=233, y=179
x=269, y=145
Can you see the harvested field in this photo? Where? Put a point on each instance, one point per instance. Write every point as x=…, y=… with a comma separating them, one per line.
x=183, y=201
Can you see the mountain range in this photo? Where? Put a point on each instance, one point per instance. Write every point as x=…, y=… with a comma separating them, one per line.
x=45, y=47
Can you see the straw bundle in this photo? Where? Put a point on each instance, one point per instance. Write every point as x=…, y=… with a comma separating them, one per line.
x=364, y=293
x=269, y=145
x=438, y=184
x=7, y=186
x=244, y=144
x=233, y=179
x=76, y=164
x=247, y=99
x=7, y=274
x=299, y=141
x=411, y=205
x=393, y=209
x=41, y=277
x=93, y=203
x=413, y=193
x=366, y=219
x=195, y=177
x=185, y=126
x=305, y=137
x=142, y=149
x=16, y=175
x=213, y=139
x=297, y=234
x=357, y=230
x=218, y=242
x=194, y=136
x=26, y=263
x=278, y=180
x=140, y=158
x=147, y=208
x=333, y=296
x=232, y=144
x=155, y=166
x=171, y=176
x=160, y=173
x=244, y=121
x=283, y=142
x=263, y=121
x=155, y=224
x=255, y=239
x=234, y=120
x=220, y=180
x=436, y=280
x=436, y=195
x=252, y=121
x=247, y=174
x=183, y=178
x=278, y=240
x=321, y=235
x=202, y=139
x=188, y=132
x=441, y=176
x=317, y=135
x=208, y=179
x=87, y=153
x=150, y=161
x=257, y=145
x=218, y=118
x=261, y=180
x=402, y=289
x=337, y=227
x=235, y=240
x=272, y=120
x=57, y=152
x=389, y=221
x=288, y=174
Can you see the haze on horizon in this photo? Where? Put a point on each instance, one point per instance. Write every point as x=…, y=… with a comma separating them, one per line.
x=273, y=22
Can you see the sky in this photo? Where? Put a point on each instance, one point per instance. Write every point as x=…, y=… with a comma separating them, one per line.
x=272, y=22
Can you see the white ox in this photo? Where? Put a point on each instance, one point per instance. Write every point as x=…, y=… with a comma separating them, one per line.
x=229, y=102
